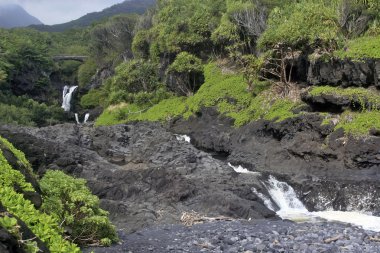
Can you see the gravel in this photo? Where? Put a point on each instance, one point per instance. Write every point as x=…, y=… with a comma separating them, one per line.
x=249, y=237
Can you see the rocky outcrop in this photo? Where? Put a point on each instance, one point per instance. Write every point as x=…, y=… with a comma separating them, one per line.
x=141, y=172
x=299, y=150
x=337, y=72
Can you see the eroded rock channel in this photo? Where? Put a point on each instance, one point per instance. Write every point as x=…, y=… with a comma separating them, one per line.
x=147, y=179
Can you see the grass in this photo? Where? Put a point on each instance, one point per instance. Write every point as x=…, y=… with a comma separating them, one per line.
x=361, y=48
x=227, y=92
x=359, y=124
x=366, y=97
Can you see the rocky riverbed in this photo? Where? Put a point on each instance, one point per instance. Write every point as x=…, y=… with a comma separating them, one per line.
x=148, y=180
x=249, y=237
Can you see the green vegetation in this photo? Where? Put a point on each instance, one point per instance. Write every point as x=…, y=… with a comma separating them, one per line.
x=226, y=92
x=43, y=225
x=361, y=48
x=368, y=99
x=70, y=202
x=359, y=124
x=67, y=202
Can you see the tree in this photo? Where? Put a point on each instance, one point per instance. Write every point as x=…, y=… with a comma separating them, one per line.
x=187, y=71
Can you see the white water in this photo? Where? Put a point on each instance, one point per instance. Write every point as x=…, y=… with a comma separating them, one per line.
x=86, y=118
x=241, y=169
x=77, y=118
x=183, y=138
x=290, y=207
x=66, y=97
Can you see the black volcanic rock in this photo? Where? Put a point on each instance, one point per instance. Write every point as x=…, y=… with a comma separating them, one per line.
x=13, y=15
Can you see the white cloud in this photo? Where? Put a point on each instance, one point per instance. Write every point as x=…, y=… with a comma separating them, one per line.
x=61, y=11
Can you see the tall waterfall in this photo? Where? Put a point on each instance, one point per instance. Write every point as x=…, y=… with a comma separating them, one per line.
x=66, y=97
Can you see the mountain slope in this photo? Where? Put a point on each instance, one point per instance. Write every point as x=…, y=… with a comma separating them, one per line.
x=13, y=15
x=133, y=6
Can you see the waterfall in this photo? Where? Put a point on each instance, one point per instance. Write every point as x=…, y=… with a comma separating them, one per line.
x=66, y=97
x=183, y=138
x=86, y=118
x=77, y=118
x=290, y=207
x=241, y=169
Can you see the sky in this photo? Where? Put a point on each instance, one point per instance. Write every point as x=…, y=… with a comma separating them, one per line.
x=52, y=12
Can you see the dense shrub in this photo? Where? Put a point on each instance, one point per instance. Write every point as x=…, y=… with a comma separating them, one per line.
x=42, y=225
x=85, y=72
x=70, y=201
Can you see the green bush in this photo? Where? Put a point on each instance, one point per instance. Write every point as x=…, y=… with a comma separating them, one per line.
x=42, y=225
x=361, y=48
x=70, y=201
x=302, y=24
x=86, y=71
x=94, y=98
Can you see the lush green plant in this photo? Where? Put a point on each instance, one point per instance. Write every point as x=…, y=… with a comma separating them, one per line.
x=368, y=99
x=70, y=201
x=361, y=48
x=187, y=69
x=300, y=25
x=94, y=98
x=43, y=225
x=359, y=124
x=85, y=72
x=226, y=92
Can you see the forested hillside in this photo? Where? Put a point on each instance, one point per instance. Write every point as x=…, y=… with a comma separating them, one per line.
x=126, y=7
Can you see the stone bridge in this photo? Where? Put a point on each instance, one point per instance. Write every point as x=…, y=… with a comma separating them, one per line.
x=80, y=58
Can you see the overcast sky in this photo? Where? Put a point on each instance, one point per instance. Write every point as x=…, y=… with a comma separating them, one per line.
x=60, y=11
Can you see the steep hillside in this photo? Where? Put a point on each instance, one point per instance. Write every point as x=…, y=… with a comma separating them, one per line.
x=13, y=15
x=126, y=7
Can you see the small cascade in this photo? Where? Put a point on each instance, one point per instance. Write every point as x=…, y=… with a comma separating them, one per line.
x=183, y=138
x=289, y=206
x=66, y=97
x=285, y=198
x=86, y=118
x=241, y=169
x=77, y=118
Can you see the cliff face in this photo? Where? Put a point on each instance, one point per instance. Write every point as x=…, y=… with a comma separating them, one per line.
x=12, y=15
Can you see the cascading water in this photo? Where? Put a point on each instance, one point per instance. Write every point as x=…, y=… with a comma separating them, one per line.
x=183, y=138
x=284, y=201
x=77, y=118
x=86, y=118
x=241, y=169
x=66, y=97
x=290, y=207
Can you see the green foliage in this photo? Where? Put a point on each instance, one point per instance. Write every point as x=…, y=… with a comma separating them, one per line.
x=302, y=24
x=70, y=202
x=42, y=225
x=361, y=48
x=359, y=124
x=93, y=98
x=10, y=224
x=226, y=92
x=186, y=63
x=368, y=99
x=24, y=111
x=135, y=76
x=86, y=71
x=185, y=24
